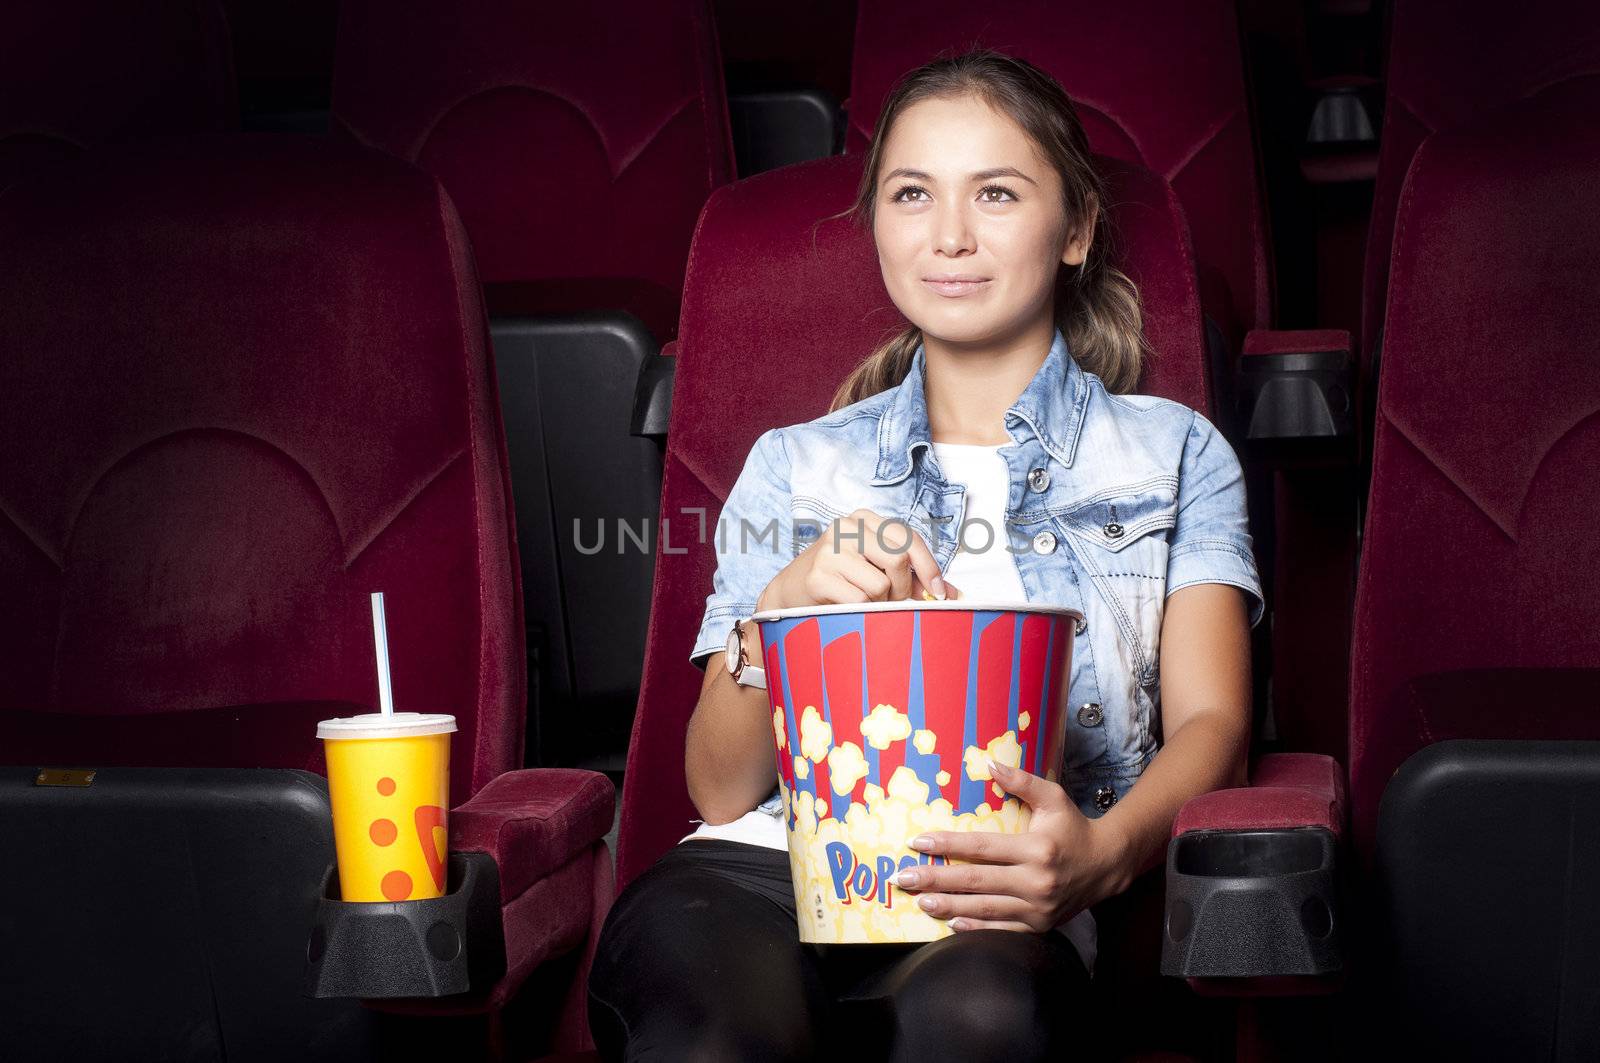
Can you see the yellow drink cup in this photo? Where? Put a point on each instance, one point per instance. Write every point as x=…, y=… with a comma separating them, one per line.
x=389, y=783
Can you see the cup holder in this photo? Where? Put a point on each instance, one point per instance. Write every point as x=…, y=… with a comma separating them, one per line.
x=428, y=948
x=1249, y=854
x=1252, y=904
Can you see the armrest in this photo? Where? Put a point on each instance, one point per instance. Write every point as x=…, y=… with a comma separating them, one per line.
x=533, y=822
x=1297, y=386
x=1252, y=900
x=1287, y=790
x=652, y=397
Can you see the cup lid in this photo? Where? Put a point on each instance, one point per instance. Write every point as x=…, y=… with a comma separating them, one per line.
x=377, y=725
x=935, y=606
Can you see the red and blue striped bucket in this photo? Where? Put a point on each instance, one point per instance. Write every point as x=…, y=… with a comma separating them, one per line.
x=883, y=715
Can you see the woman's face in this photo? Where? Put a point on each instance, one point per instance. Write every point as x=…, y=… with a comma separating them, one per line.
x=969, y=223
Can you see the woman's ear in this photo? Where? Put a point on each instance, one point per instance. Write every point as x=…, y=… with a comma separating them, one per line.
x=1080, y=236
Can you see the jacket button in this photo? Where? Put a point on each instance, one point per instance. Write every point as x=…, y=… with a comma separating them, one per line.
x=1104, y=798
x=1079, y=626
x=1044, y=542
x=1039, y=479
x=1113, y=530
x=1089, y=715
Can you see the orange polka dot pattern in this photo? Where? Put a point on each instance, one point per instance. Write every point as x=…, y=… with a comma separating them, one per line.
x=383, y=832
x=397, y=885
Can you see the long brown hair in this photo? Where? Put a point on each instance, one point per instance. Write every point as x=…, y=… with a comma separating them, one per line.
x=1096, y=305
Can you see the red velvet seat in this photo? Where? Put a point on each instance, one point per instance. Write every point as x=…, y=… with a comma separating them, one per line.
x=782, y=300
x=1474, y=731
x=1449, y=63
x=579, y=143
x=247, y=381
x=1480, y=549
x=81, y=73
x=1156, y=82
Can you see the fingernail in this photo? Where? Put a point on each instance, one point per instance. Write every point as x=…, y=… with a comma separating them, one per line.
x=903, y=878
x=997, y=767
x=958, y=924
x=937, y=586
x=925, y=903
x=922, y=841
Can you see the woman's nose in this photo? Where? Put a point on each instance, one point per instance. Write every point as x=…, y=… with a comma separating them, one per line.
x=953, y=236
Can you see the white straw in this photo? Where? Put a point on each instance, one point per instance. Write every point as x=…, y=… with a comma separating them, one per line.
x=380, y=637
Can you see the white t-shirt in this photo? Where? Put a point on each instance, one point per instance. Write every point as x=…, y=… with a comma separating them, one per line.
x=981, y=569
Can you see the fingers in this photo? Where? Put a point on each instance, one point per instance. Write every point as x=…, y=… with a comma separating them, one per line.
x=923, y=564
x=979, y=847
x=1037, y=793
x=984, y=908
x=864, y=574
x=829, y=588
x=966, y=923
x=891, y=546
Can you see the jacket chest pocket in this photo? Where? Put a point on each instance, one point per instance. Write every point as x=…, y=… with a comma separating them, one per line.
x=1121, y=539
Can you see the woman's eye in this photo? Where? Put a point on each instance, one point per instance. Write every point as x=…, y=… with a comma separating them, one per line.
x=910, y=194
x=996, y=194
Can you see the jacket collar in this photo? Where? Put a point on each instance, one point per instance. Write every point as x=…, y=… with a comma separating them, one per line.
x=1052, y=405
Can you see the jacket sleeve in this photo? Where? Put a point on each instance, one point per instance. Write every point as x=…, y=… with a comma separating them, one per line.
x=753, y=537
x=1211, y=542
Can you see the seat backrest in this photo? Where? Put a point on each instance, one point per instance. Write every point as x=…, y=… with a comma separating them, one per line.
x=782, y=300
x=246, y=382
x=80, y=73
x=579, y=143
x=1449, y=63
x=1481, y=561
x=1157, y=82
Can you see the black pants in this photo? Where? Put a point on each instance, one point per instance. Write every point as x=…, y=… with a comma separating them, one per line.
x=699, y=959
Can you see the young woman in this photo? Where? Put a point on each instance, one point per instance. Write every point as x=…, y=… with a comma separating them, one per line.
x=1003, y=404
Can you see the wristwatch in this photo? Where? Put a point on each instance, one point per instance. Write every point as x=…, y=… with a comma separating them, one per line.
x=740, y=667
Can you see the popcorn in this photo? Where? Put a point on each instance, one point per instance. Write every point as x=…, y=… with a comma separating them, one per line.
x=846, y=767
x=815, y=734
x=924, y=741
x=780, y=733
x=885, y=724
x=1005, y=749
x=802, y=768
x=1023, y=719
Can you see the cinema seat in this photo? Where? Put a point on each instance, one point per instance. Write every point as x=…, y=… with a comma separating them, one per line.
x=781, y=300
x=1474, y=730
x=248, y=381
x=579, y=144
x=81, y=73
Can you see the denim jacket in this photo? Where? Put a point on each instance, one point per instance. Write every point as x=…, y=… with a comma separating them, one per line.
x=1115, y=502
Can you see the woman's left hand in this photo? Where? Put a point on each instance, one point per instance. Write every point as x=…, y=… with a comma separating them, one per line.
x=1033, y=881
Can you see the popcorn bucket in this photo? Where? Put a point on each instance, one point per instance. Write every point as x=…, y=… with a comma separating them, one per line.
x=883, y=715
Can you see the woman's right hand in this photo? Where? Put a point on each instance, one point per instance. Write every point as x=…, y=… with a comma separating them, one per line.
x=861, y=557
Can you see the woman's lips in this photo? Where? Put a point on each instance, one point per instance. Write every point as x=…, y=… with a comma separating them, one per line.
x=955, y=287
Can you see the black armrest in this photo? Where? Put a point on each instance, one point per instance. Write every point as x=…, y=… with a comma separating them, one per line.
x=1298, y=387
x=1252, y=904
x=652, y=398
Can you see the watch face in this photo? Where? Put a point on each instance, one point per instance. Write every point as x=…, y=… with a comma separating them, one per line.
x=735, y=650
